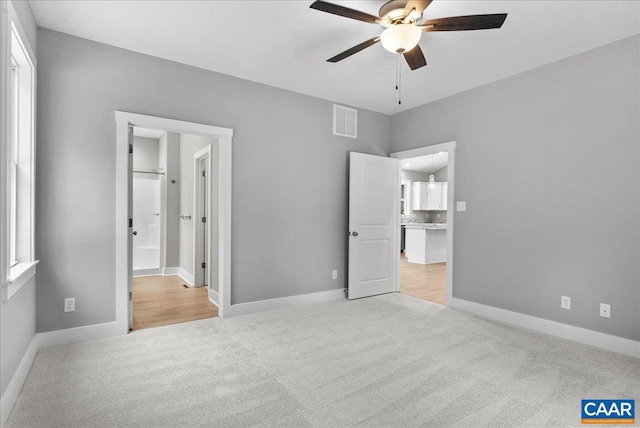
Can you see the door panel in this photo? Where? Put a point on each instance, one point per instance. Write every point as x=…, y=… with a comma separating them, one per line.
x=373, y=221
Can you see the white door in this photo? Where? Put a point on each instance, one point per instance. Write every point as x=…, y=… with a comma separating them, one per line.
x=131, y=230
x=373, y=225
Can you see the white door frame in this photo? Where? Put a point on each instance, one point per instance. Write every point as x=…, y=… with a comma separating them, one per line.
x=204, y=154
x=449, y=147
x=123, y=256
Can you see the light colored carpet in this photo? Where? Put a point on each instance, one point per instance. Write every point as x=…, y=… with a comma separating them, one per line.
x=385, y=361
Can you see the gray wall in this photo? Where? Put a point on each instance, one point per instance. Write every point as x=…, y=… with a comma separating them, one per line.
x=289, y=174
x=18, y=314
x=537, y=224
x=27, y=21
x=170, y=161
x=18, y=328
x=441, y=174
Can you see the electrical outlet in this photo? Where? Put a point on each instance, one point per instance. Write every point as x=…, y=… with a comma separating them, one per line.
x=334, y=274
x=565, y=302
x=605, y=310
x=70, y=304
x=461, y=206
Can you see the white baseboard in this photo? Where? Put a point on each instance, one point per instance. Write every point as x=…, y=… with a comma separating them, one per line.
x=78, y=334
x=170, y=271
x=213, y=297
x=19, y=377
x=283, y=302
x=186, y=276
x=554, y=328
x=146, y=272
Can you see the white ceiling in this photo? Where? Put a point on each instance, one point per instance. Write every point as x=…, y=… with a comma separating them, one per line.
x=428, y=164
x=148, y=133
x=286, y=44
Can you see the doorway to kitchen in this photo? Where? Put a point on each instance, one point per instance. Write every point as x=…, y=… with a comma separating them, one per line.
x=426, y=220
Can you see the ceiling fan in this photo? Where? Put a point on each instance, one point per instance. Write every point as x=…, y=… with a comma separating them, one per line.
x=402, y=20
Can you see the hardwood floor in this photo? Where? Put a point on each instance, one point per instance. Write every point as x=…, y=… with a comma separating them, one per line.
x=426, y=282
x=163, y=300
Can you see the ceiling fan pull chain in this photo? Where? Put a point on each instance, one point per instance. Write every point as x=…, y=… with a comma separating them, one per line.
x=397, y=69
x=399, y=81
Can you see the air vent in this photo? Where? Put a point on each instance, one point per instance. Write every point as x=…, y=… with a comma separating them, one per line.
x=345, y=121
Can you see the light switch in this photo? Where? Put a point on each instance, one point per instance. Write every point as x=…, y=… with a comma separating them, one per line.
x=461, y=206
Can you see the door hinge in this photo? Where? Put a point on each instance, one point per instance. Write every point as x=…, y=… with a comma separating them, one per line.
x=203, y=265
x=130, y=148
x=204, y=174
x=130, y=222
x=130, y=295
x=204, y=219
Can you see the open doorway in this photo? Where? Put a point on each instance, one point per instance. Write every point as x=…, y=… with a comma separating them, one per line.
x=175, y=201
x=425, y=266
x=423, y=252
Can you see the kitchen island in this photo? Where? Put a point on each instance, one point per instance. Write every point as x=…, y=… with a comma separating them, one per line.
x=426, y=243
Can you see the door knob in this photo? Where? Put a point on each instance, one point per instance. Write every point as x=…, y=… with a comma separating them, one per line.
x=135, y=232
x=354, y=233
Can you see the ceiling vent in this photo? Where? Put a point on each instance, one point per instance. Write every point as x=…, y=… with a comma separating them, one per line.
x=345, y=121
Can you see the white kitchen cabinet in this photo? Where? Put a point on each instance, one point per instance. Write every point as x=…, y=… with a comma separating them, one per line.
x=419, y=196
x=425, y=199
x=434, y=197
x=426, y=246
x=445, y=189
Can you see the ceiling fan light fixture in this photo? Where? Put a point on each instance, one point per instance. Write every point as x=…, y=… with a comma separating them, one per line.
x=400, y=38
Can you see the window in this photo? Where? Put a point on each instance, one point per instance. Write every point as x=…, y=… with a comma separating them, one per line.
x=21, y=160
x=13, y=177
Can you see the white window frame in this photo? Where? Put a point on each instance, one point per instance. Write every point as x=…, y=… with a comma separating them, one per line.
x=13, y=163
x=18, y=183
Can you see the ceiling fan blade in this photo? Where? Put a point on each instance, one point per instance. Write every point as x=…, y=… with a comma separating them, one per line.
x=415, y=58
x=344, y=11
x=418, y=5
x=354, y=49
x=462, y=23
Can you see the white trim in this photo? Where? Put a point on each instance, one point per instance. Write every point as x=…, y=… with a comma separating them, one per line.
x=5, y=136
x=78, y=334
x=449, y=147
x=146, y=272
x=285, y=302
x=19, y=377
x=19, y=275
x=213, y=296
x=26, y=49
x=553, y=328
x=178, y=271
x=186, y=277
x=169, y=271
x=201, y=155
x=225, y=135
